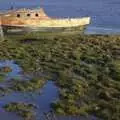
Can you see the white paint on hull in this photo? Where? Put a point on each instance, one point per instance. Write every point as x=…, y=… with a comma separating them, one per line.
x=73, y=22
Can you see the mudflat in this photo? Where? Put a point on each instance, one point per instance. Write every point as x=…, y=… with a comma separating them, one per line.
x=84, y=68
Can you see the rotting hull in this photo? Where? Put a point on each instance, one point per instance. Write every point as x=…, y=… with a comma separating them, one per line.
x=24, y=21
x=20, y=33
x=24, y=30
x=27, y=22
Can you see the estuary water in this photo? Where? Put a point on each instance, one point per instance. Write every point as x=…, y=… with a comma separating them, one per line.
x=105, y=13
x=49, y=93
x=41, y=98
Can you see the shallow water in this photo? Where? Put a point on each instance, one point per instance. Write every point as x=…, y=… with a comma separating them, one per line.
x=43, y=101
x=16, y=72
x=8, y=116
x=41, y=98
x=105, y=13
x=15, y=68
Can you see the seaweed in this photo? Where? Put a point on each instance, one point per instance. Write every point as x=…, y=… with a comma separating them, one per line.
x=87, y=69
x=25, y=110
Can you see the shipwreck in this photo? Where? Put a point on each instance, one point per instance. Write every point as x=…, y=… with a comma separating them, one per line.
x=27, y=20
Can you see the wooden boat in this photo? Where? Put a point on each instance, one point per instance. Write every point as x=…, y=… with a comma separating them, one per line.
x=27, y=20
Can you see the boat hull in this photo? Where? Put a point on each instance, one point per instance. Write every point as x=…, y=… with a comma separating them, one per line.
x=25, y=29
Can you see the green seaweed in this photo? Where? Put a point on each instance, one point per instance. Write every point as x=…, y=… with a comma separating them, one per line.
x=28, y=85
x=5, y=69
x=23, y=109
x=2, y=77
x=87, y=69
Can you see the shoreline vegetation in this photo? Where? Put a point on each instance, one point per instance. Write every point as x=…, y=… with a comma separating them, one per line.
x=87, y=69
x=22, y=109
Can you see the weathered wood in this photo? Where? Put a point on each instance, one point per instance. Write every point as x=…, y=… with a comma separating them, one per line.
x=37, y=20
x=28, y=29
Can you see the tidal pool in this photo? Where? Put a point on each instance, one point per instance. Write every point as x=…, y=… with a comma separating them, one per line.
x=41, y=98
x=42, y=101
x=16, y=70
x=8, y=116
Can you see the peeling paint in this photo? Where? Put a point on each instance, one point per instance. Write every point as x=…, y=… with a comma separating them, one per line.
x=21, y=18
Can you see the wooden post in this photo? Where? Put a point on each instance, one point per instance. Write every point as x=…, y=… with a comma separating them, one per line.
x=1, y=30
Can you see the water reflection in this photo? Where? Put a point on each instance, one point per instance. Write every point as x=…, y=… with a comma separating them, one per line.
x=16, y=71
